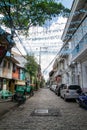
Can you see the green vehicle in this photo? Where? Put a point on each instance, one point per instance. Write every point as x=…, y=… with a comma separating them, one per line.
x=24, y=89
x=29, y=90
x=21, y=89
x=19, y=95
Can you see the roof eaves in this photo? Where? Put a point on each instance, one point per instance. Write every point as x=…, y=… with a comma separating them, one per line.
x=77, y=5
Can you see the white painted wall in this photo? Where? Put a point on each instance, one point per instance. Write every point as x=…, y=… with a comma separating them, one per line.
x=84, y=74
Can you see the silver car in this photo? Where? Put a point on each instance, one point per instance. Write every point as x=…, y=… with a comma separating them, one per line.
x=70, y=92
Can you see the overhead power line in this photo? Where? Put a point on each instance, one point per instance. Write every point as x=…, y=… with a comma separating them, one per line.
x=51, y=62
x=21, y=43
x=20, y=52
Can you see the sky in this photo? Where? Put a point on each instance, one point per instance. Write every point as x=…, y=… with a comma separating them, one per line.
x=45, y=49
x=66, y=3
x=45, y=42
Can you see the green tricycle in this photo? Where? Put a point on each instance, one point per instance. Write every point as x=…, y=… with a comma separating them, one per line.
x=21, y=92
x=29, y=90
x=19, y=95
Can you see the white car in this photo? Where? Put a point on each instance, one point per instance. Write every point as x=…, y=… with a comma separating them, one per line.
x=53, y=87
x=69, y=92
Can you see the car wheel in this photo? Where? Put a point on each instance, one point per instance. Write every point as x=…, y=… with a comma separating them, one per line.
x=60, y=95
x=65, y=98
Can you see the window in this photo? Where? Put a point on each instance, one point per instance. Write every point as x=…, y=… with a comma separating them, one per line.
x=74, y=87
x=14, y=68
x=64, y=87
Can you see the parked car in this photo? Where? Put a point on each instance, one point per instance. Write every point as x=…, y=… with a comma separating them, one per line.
x=53, y=87
x=70, y=92
x=82, y=100
x=58, y=89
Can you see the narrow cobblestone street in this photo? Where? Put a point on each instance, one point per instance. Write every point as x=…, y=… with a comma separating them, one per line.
x=70, y=117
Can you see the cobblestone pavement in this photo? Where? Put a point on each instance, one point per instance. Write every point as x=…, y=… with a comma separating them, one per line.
x=71, y=116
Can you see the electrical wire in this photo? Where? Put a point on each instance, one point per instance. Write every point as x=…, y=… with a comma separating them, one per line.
x=20, y=52
x=51, y=62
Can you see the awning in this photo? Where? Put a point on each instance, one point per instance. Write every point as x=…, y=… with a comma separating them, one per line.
x=12, y=59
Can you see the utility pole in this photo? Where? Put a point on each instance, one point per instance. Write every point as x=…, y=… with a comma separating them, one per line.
x=44, y=50
x=40, y=56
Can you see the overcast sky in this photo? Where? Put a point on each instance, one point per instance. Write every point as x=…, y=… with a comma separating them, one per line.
x=67, y=4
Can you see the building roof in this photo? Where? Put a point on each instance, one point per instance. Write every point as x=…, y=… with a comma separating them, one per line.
x=12, y=59
x=20, y=59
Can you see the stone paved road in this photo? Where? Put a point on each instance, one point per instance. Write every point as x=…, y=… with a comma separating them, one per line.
x=71, y=116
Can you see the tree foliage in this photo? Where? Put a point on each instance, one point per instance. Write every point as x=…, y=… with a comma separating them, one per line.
x=22, y=14
x=31, y=65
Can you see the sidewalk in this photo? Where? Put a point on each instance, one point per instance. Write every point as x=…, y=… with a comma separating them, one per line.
x=7, y=104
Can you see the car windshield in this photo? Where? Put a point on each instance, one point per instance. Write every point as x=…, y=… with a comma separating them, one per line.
x=74, y=87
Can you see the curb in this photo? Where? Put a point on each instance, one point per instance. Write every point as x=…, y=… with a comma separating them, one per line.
x=7, y=110
x=4, y=100
x=12, y=107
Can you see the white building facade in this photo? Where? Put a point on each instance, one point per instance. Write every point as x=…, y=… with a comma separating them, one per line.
x=75, y=32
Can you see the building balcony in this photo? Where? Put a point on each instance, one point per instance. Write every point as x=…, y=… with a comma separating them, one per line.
x=65, y=53
x=80, y=51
